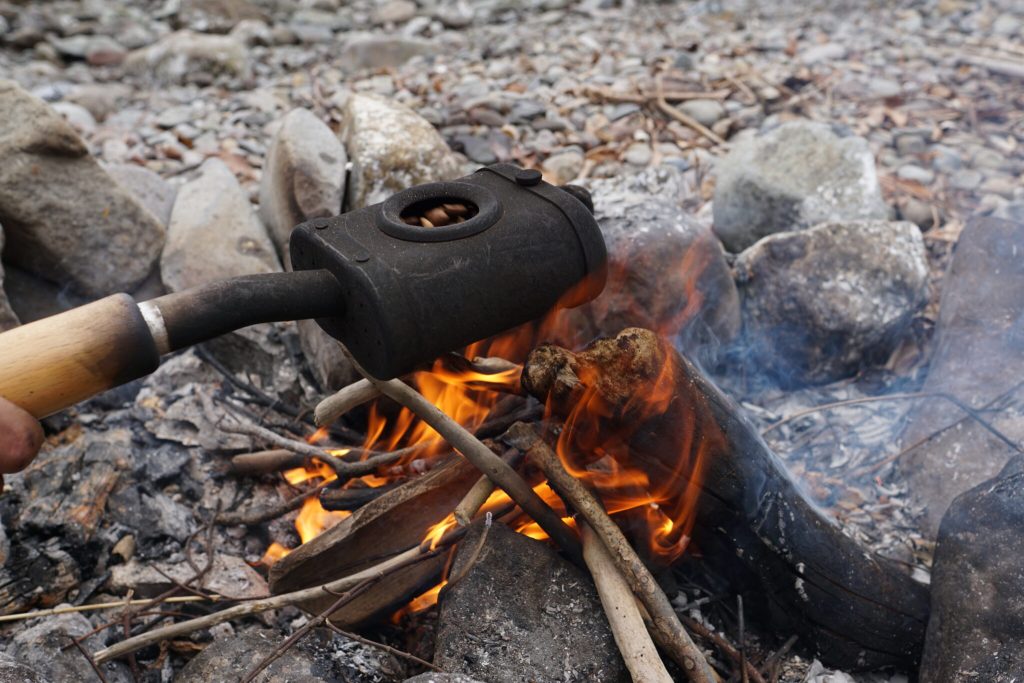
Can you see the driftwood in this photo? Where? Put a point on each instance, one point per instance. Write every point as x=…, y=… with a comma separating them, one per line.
x=853, y=609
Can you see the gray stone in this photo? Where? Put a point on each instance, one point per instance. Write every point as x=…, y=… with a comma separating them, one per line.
x=638, y=154
x=522, y=614
x=977, y=358
x=988, y=159
x=945, y=159
x=705, y=112
x=436, y=677
x=252, y=32
x=332, y=20
x=965, y=179
x=310, y=34
x=13, y=672
x=395, y=12
x=475, y=148
x=78, y=116
x=909, y=143
x=173, y=116
x=975, y=631
x=148, y=188
x=827, y=52
x=391, y=148
x=375, y=51
x=101, y=99
x=217, y=17
x=228, y=575
x=181, y=56
x=1006, y=25
x=654, y=280
x=303, y=177
x=790, y=178
x=819, y=303
x=917, y=212
x=317, y=658
x=98, y=50
x=65, y=219
x=42, y=647
x=563, y=167
x=8, y=318
x=915, y=173
x=214, y=233
x=884, y=88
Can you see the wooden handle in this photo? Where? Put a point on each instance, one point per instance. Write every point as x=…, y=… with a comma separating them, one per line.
x=56, y=362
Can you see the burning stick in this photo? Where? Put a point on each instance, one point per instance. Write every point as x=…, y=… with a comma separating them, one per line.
x=668, y=630
x=336, y=405
x=264, y=462
x=624, y=617
x=853, y=609
x=484, y=460
x=467, y=508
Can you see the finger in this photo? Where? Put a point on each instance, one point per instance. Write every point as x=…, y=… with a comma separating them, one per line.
x=20, y=437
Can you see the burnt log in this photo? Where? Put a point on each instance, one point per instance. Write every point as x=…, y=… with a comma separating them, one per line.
x=635, y=398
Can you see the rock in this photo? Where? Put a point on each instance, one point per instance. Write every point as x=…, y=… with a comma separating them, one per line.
x=229, y=576
x=917, y=212
x=638, y=154
x=252, y=32
x=78, y=116
x=374, y=51
x=148, y=188
x=790, y=178
x=705, y=112
x=218, y=16
x=476, y=149
x=100, y=99
x=915, y=173
x=819, y=303
x=43, y=648
x=966, y=179
x=436, y=677
x=666, y=272
x=8, y=318
x=98, y=50
x=563, y=167
x=310, y=34
x=395, y=12
x=1006, y=25
x=910, y=142
x=214, y=232
x=884, y=88
x=978, y=358
x=522, y=614
x=827, y=52
x=975, y=631
x=317, y=658
x=155, y=515
x=183, y=55
x=13, y=672
x=331, y=367
x=100, y=246
x=391, y=148
x=303, y=177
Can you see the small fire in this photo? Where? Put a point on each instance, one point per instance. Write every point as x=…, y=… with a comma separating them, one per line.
x=468, y=396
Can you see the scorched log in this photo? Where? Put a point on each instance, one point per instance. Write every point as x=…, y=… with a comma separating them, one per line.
x=852, y=609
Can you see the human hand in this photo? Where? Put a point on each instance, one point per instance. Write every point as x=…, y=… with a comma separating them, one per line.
x=20, y=438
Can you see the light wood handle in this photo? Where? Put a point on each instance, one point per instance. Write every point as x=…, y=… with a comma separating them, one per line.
x=56, y=362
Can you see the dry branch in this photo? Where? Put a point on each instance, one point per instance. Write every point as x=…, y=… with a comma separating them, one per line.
x=638, y=651
x=336, y=405
x=668, y=630
x=265, y=462
x=467, y=508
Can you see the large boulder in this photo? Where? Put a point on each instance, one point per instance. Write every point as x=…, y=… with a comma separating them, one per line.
x=522, y=614
x=214, y=232
x=976, y=632
x=819, y=303
x=979, y=359
x=8, y=318
x=65, y=219
x=666, y=272
x=184, y=56
x=793, y=177
x=303, y=177
x=391, y=148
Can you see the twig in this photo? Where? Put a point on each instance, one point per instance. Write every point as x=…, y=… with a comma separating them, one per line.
x=92, y=662
x=668, y=630
x=722, y=644
x=486, y=461
x=684, y=119
x=387, y=648
x=265, y=513
x=274, y=602
x=336, y=405
x=638, y=651
x=103, y=606
x=770, y=666
x=265, y=462
x=646, y=97
x=743, y=638
x=474, y=499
